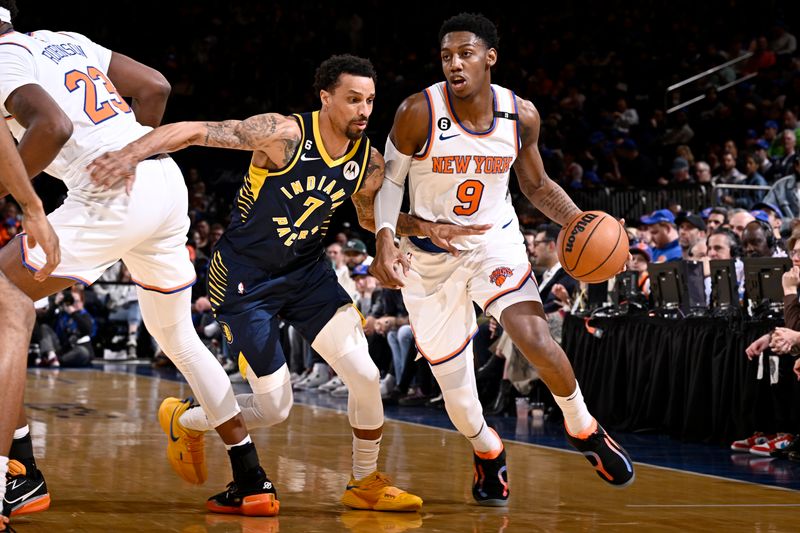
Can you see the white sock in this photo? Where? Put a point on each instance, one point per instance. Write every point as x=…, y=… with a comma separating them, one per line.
x=245, y=440
x=3, y=470
x=576, y=415
x=21, y=432
x=365, y=457
x=195, y=418
x=486, y=440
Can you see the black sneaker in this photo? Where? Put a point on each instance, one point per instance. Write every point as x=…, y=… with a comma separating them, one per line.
x=610, y=460
x=254, y=499
x=783, y=453
x=490, y=483
x=25, y=492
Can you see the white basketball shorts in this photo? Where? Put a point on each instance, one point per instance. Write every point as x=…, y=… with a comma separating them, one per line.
x=147, y=230
x=440, y=290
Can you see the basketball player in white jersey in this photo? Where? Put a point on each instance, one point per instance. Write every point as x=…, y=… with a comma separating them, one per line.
x=62, y=98
x=457, y=141
x=16, y=309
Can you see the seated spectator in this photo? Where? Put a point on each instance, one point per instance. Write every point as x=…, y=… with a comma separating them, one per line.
x=746, y=198
x=758, y=241
x=123, y=306
x=691, y=230
x=355, y=253
x=738, y=219
x=637, y=262
x=774, y=216
x=546, y=261
x=664, y=245
x=722, y=244
x=714, y=217
x=66, y=338
x=783, y=193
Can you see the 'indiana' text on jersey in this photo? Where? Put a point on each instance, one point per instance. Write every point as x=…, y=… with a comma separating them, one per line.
x=281, y=216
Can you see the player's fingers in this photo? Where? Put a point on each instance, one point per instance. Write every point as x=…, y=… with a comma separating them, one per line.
x=473, y=229
x=405, y=264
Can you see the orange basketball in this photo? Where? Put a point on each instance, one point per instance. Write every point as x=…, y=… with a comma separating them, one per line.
x=592, y=247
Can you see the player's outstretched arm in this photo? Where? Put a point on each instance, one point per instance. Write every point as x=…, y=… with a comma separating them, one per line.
x=15, y=180
x=275, y=135
x=534, y=182
x=147, y=88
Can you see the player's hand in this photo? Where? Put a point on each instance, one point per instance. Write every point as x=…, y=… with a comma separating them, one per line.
x=797, y=369
x=757, y=347
x=388, y=258
x=41, y=232
x=111, y=168
x=442, y=234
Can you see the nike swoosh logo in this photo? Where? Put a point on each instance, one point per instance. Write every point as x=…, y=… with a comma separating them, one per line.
x=12, y=502
x=443, y=138
x=304, y=158
x=171, y=420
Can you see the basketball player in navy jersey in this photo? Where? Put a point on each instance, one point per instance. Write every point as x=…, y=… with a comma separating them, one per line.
x=270, y=262
x=457, y=141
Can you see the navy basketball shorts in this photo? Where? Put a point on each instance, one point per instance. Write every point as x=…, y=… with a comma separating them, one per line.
x=249, y=304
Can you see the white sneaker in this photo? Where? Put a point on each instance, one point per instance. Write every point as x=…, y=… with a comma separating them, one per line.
x=388, y=384
x=340, y=392
x=295, y=377
x=331, y=384
x=319, y=375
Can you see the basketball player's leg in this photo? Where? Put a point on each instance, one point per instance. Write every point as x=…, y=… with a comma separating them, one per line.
x=16, y=322
x=526, y=325
x=18, y=262
x=341, y=342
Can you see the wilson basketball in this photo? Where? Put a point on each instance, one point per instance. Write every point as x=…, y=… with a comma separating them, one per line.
x=592, y=247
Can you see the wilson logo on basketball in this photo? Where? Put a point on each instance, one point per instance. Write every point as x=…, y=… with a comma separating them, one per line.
x=579, y=227
x=500, y=275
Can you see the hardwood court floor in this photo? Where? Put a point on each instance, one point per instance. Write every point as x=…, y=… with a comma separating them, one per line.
x=98, y=442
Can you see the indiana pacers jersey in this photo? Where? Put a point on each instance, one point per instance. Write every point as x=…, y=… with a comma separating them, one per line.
x=281, y=216
x=461, y=176
x=74, y=71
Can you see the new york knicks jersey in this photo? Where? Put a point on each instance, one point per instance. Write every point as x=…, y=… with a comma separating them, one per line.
x=281, y=216
x=74, y=71
x=461, y=176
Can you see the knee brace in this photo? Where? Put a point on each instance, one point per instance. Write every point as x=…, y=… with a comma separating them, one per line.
x=271, y=400
x=456, y=379
x=359, y=373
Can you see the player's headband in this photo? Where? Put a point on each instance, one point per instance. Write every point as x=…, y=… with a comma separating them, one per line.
x=5, y=15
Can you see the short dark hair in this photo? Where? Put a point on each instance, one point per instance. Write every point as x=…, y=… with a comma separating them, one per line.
x=475, y=23
x=11, y=5
x=327, y=76
x=719, y=211
x=550, y=231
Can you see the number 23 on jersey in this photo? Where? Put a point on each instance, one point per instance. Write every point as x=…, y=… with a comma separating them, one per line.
x=95, y=109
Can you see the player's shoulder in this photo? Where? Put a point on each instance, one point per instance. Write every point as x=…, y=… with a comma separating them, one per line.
x=414, y=106
x=527, y=111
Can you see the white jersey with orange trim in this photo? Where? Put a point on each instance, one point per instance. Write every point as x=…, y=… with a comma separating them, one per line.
x=461, y=176
x=73, y=70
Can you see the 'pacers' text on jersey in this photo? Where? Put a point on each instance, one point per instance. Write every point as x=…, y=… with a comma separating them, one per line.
x=281, y=216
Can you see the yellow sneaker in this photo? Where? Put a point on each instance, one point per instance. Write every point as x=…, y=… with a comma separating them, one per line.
x=185, y=447
x=375, y=492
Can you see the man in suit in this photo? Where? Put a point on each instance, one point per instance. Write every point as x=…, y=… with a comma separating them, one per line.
x=545, y=260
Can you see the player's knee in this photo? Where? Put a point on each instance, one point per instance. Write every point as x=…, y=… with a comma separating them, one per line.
x=274, y=407
x=15, y=304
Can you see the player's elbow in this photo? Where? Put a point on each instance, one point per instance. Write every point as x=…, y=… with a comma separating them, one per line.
x=157, y=87
x=59, y=129
x=367, y=222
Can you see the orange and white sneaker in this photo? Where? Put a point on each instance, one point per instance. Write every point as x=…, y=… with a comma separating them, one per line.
x=185, y=447
x=376, y=493
x=26, y=492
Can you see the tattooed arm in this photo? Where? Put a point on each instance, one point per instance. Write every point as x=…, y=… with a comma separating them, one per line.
x=543, y=192
x=273, y=139
x=364, y=201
